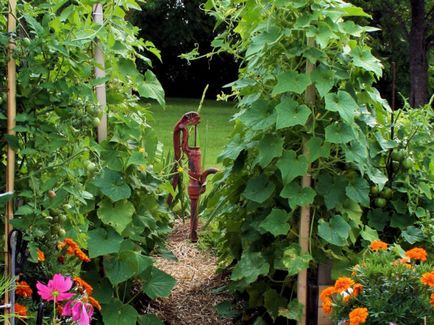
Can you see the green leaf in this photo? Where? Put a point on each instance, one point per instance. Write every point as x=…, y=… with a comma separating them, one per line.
x=113, y=185
x=343, y=103
x=5, y=197
x=103, y=242
x=276, y=222
x=363, y=58
x=332, y=188
x=339, y=133
x=369, y=234
x=317, y=149
x=291, y=81
x=127, y=67
x=226, y=309
x=294, y=261
x=269, y=147
x=136, y=158
x=259, y=189
x=324, y=80
x=118, y=215
x=354, y=11
x=292, y=166
x=413, y=235
x=378, y=218
x=298, y=196
x=149, y=319
x=358, y=191
x=335, y=231
x=273, y=301
x=151, y=88
x=117, y=313
x=24, y=210
x=293, y=311
x=123, y=266
x=250, y=266
x=159, y=284
x=289, y=113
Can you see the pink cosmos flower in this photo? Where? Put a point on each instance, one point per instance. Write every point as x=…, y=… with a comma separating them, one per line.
x=56, y=289
x=81, y=312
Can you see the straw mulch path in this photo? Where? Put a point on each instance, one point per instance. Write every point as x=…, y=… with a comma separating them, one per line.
x=196, y=293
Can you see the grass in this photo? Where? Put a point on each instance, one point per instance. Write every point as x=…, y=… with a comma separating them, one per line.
x=214, y=128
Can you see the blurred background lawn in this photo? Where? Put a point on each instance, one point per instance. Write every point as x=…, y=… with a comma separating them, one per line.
x=214, y=128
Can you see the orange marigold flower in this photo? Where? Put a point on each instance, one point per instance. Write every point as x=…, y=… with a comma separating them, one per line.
x=23, y=289
x=378, y=245
x=327, y=306
x=94, y=303
x=358, y=316
x=70, y=250
x=347, y=298
x=70, y=242
x=20, y=310
x=428, y=279
x=417, y=254
x=343, y=283
x=326, y=293
x=357, y=289
x=81, y=255
x=432, y=299
x=83, y=285
x=41, y=255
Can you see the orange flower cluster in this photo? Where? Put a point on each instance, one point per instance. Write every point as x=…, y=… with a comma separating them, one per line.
x=428, y=279
x=73, y=249
x=41, y=255
x=83, y=285
x=20, y=310
x=343, y=283
x=417, y=253
x=326, y=299
x=23, y=289
x=358, y=316
x=378, y=245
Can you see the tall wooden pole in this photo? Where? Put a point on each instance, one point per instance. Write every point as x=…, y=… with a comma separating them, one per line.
x=11, y=114
x=98, y=18
x=304, y=231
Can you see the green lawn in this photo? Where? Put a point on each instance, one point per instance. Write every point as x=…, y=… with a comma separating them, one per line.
x=214, y=127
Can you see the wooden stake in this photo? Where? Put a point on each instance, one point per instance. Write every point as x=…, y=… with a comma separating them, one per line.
x=11, y=112
x=304, y=231
x=98, y=18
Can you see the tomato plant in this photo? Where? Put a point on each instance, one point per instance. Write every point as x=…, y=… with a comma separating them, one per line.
x=109, y=196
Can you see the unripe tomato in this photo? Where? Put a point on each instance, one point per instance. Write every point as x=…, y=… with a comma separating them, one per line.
x=407, y=163
x=398, y=155
x=61, y=232
x=375, y=189
x=67, y=206
x=386, y=193
x=96, y=121
x=26, y=41
x=62, y=218
x=380, y=202
x=51, y=194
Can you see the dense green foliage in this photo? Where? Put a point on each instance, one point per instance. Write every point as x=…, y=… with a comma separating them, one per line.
x=344, y=133
x=105, y=196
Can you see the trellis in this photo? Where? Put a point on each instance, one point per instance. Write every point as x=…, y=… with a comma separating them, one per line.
x=11, y=123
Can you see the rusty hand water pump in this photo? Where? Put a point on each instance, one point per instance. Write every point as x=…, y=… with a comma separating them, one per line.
x=197, y=178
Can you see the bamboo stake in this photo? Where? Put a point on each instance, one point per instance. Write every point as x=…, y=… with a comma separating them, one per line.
x=305, y=215
x=11, y=112
x=100, y=89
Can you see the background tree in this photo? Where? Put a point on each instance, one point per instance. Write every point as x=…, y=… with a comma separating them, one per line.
x=406, y=37
x=176, y=27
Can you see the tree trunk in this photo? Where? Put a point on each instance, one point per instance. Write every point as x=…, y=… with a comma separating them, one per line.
x=417, y=55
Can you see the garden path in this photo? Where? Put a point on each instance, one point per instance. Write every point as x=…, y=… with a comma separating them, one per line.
x=198, y=289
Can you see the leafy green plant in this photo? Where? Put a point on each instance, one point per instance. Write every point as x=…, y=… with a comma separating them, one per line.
x=391, y=285
x=108, y=197
x=259, y=195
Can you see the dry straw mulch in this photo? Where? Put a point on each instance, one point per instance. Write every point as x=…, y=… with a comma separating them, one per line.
x=196, y=293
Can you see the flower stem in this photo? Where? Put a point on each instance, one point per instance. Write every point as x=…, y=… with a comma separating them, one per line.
x=54, y=311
